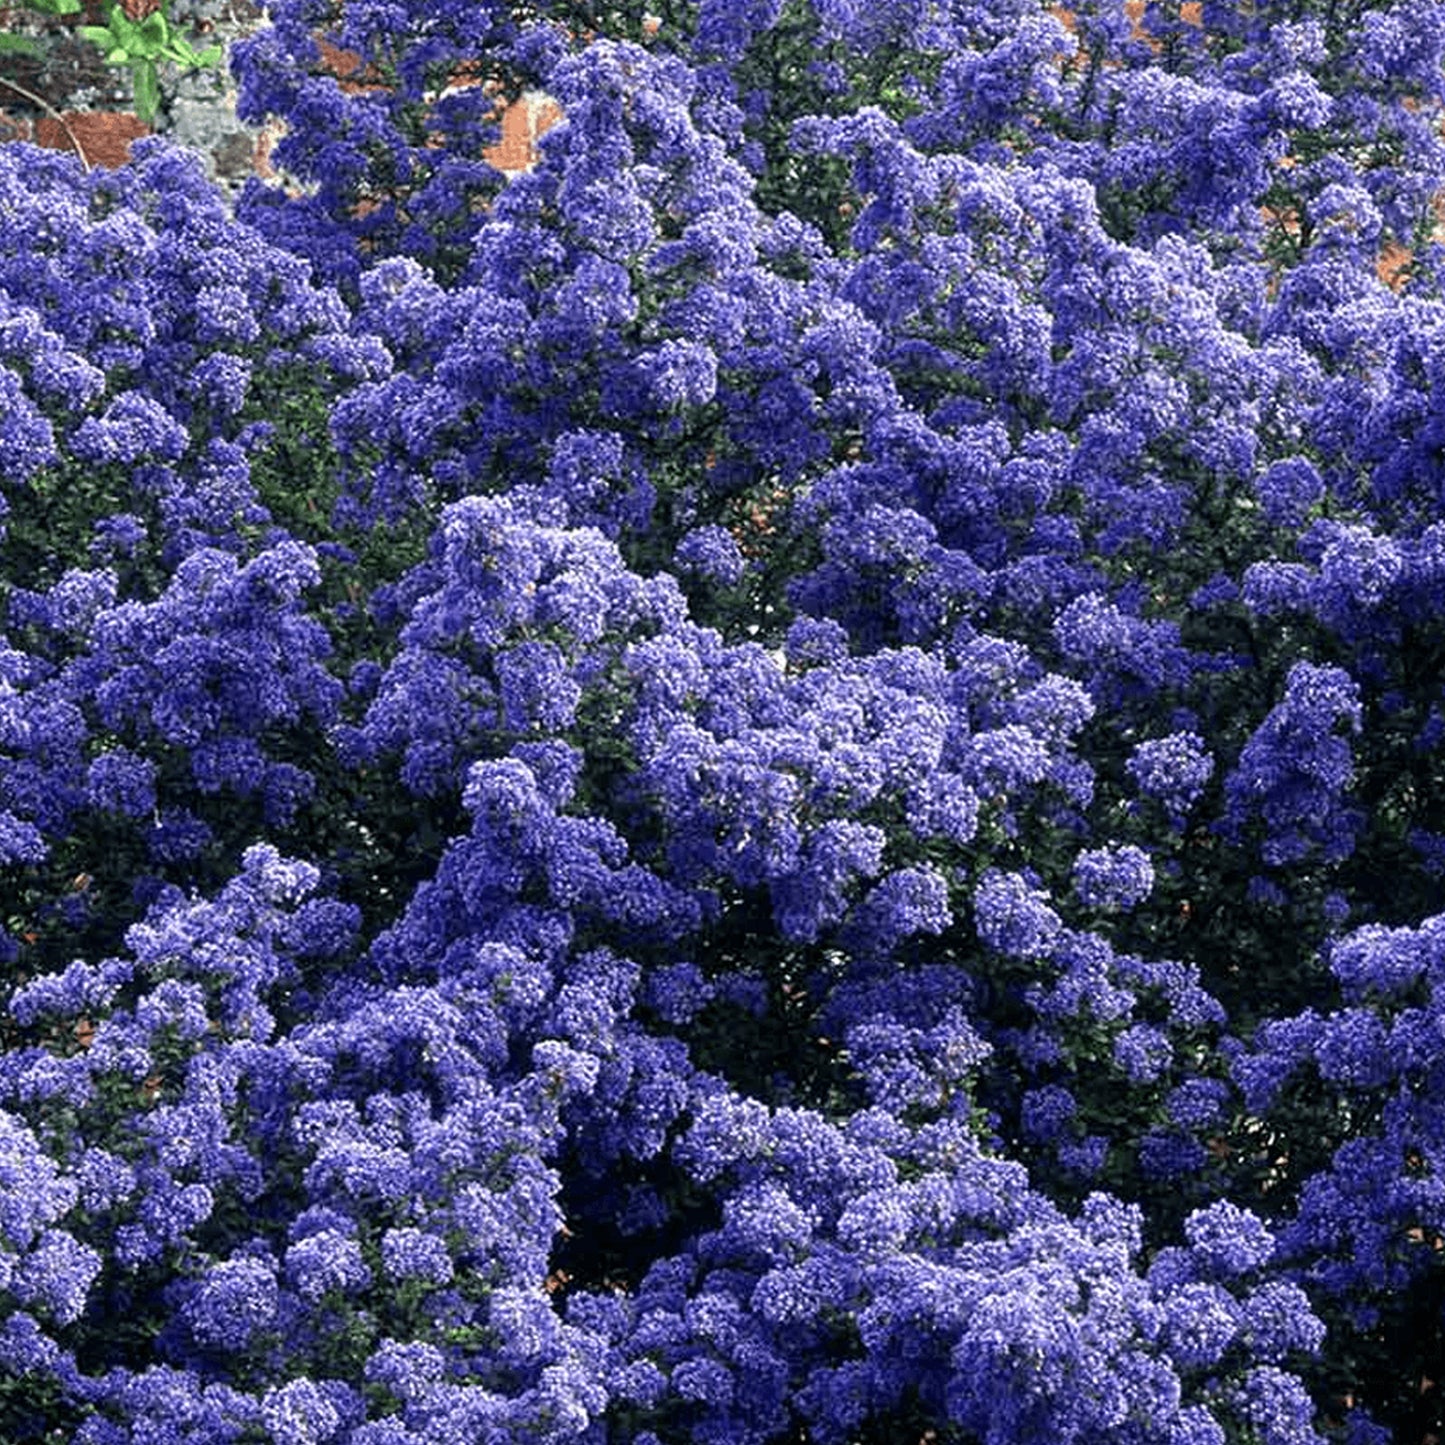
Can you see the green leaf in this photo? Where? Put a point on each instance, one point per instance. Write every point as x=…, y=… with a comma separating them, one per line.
x=146, y=41
x=98, y=35
x=18, y=45
x=122, y=27
x=147, y=90
x=184, y=53
x=146, y=44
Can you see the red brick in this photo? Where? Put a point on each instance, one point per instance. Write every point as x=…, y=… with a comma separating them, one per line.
x=104, y=135
x=524, y=122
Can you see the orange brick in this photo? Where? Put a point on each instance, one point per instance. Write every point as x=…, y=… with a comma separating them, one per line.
x=545, y=114
x=514, y=151
x=355, y=76
x=1391, y=264
x=104, y=135
x=1191, y=12
x=524, y=121
x=343, y=64
x=266, y=140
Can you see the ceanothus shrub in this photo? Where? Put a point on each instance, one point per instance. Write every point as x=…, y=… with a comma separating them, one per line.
x=170, y=374
x=775, y=783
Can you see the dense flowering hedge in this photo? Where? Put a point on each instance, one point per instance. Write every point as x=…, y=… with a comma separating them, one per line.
x=779, y=782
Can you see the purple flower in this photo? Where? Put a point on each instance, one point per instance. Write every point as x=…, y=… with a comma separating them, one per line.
x=1084, y=1158
x=905, y=902
x=1228, y=1241
x=1288, y=489
x=1143, y=1052
x=1376, y=959
x=132, y=427
x=409, y=1253
x=1280, y=1322
x=1004, y=760
x=1167, y=1156
x=711, y=552
x=118, y=535
x=301, y=1412
x=1202, y=1322
x=325, y=1262
x=56, y=1276
x=223, y=382
x=122, y=782
x=55, y=371
x=1173, y=769
x=1012, y=916
x=1115, y=877
x=537, y=689
x=1294, y=771
x=1354, y=1049
x=1197, y=1102
x=677, y=992
x=234, y=1301
x=1275, y=1406
x=706, y=1381
x=223, y=313
x=407, y=1369
x=678, y=375
x=177, y=834
x=27, y=440
x=1047, y=1114
x=753, y=539
x=20, y=841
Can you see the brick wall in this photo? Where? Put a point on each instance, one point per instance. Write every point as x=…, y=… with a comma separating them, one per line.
x=68, y=99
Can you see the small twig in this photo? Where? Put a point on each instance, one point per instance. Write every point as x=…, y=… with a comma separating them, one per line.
x=51, y=111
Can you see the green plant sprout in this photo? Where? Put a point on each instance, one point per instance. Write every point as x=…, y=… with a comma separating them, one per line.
x=140, y=37
x=136, y=34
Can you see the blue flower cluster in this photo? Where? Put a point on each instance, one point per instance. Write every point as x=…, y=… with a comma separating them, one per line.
x=777, y=781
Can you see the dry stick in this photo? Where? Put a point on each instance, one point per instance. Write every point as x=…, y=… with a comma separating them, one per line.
x=51, y=111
